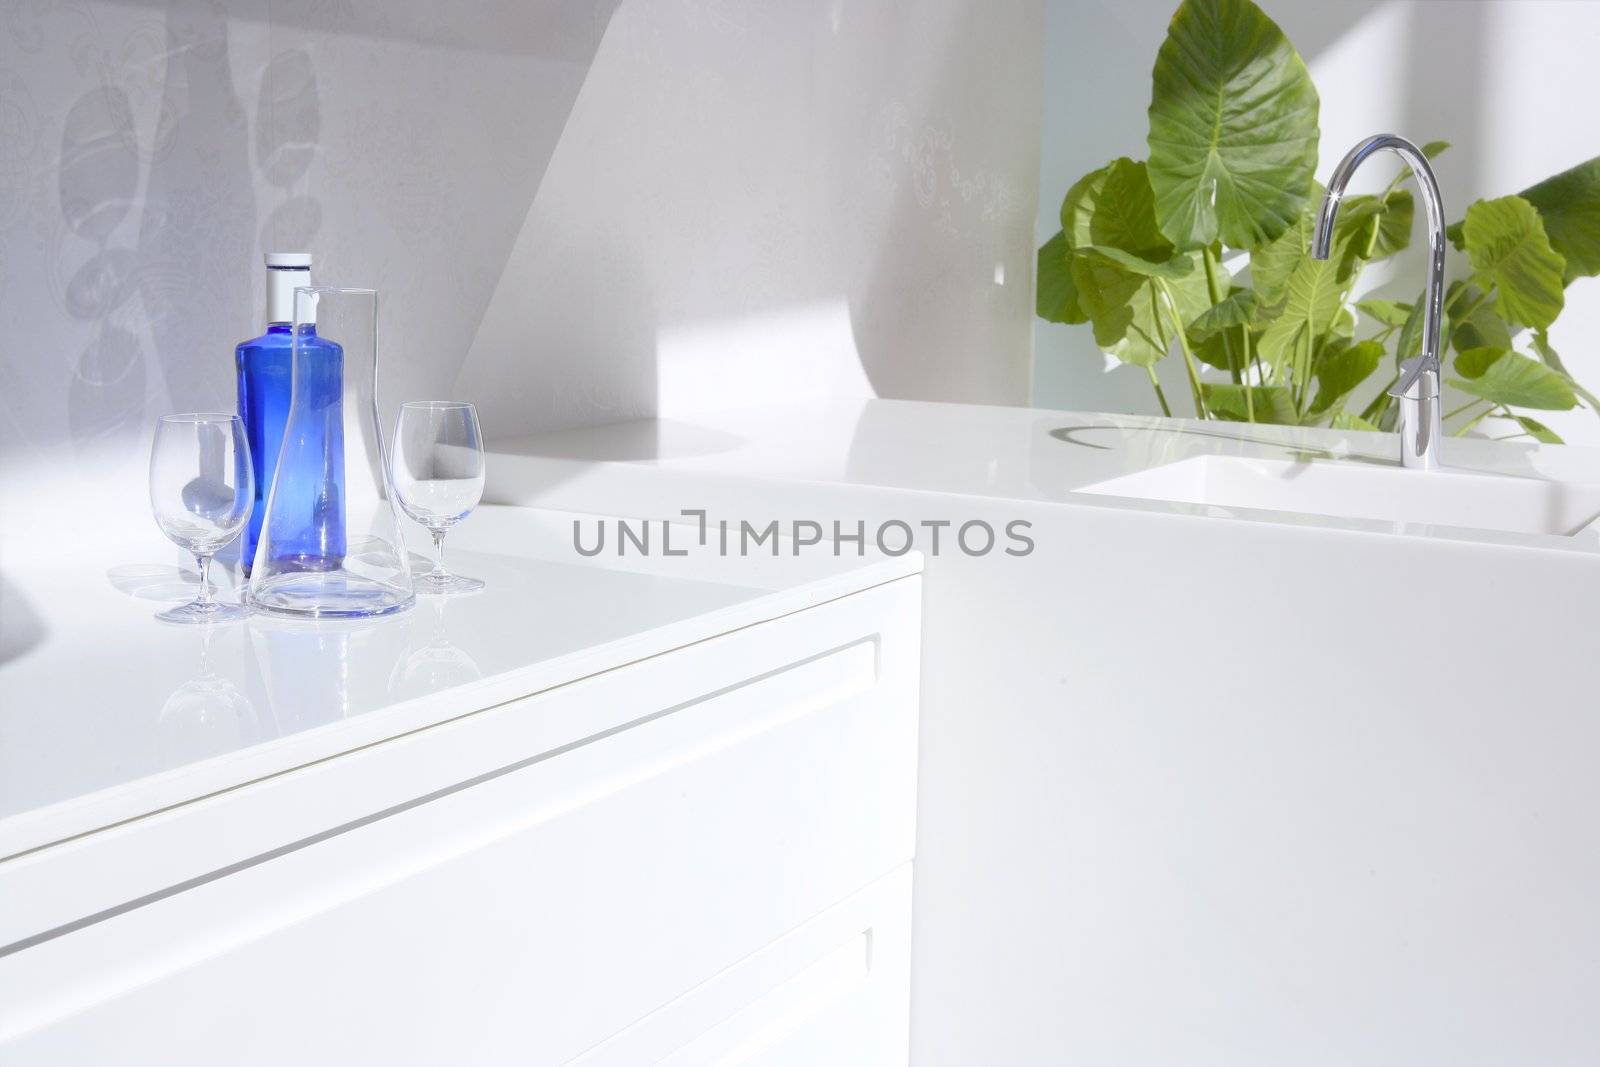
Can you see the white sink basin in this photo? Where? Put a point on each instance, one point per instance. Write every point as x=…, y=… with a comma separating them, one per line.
x=1353, y=490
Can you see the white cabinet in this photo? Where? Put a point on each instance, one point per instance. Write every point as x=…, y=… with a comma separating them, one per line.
x=700, y=856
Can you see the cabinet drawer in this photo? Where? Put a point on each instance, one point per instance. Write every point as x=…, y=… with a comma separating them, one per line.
x=521, y=883
x=837, y=990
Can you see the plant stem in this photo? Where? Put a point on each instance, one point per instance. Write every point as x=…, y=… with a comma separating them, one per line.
x=1464, y=407
x=1188, y=356
x=1161, y=396
x=1166, y=343
x=1302, y=369
x=1249, y=390
x=1479, y=417
x=1209, y=258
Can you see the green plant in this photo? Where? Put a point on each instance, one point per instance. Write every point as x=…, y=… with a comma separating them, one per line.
x=1151, y=255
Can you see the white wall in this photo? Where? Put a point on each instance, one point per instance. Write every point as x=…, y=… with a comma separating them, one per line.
x=757, y=202
x=1501, y=79
x=617, y=207
x=150, y=151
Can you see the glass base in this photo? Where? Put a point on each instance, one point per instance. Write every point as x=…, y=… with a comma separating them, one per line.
x=445, y=584
x=196, y=612
x=328, y=595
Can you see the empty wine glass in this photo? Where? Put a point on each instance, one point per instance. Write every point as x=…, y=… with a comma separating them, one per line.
x=201, y=490
x=436, y=467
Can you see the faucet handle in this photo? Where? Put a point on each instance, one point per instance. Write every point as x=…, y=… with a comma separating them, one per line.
x=1412, y=377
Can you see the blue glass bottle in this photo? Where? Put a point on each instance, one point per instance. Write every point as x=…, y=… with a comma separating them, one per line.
x=266, y=376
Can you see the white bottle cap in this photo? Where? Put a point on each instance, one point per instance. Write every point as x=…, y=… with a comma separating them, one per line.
x=286, y=272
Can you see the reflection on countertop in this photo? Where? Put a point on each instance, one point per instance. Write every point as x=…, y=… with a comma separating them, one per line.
x=97, y=698
x=1022, y=455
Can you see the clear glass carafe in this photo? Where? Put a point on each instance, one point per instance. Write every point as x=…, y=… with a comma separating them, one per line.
x=330, y=542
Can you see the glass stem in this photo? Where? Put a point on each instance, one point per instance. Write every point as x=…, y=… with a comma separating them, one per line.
x=438, y=554
x=204, y=599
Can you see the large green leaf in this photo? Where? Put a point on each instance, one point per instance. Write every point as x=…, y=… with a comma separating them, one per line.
x=1233, y=127
x=1223, y=350
x=1518, y=381
x=1547, y=353
x=1313, y=300
x=1340, y=370
x=1378, y=226
x=1475, y=362
x=1235, y=403
x=1077, y=207
x=1110, y=212
x=1512, y=255
x=1173, y=268
x=1056, y=298
x=1216, y=336
x=1390, y=313
x=1482, y=327
x=1272, y=264
x=1538, y=430
x=1569, y=204
x=1122, y=296
x=1238, y=309
x=1122, y=213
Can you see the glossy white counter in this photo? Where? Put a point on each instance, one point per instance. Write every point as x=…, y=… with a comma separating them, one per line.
x=106, y=714
x=994, y=453
x=1201, y=784
x=612, y=810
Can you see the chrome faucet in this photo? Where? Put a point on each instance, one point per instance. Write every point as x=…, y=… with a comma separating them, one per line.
x=1418, y=384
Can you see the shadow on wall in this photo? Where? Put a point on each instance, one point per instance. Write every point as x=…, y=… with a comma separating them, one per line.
x=198, y=233
x=733, y=176
x=21, y=628
x=729, y=162
x=552, y=30
x=154, y=148
x=961, y=198
x=98, y=177
x=288, y=124
x=196, y=239
x=187, y=175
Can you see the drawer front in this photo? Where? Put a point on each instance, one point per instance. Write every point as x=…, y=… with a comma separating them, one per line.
x=530, y=910
x=837, y=990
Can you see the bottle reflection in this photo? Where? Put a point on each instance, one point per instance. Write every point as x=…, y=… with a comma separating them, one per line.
x=316, y=673
x=306, y=671
x=205, y=716
x=306, y=675
x=433, y=662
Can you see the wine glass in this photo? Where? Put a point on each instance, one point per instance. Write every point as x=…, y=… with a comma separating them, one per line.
x=201, y=490
x=436, y=467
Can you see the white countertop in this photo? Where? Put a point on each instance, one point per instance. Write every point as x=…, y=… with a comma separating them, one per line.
x=107, y=714
x=1017, y=454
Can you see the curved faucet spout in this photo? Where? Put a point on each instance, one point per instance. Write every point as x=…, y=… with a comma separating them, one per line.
x=1418, y=386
